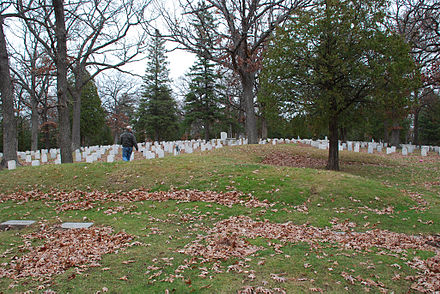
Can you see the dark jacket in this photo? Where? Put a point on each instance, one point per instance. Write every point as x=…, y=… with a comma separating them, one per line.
x=128, y=140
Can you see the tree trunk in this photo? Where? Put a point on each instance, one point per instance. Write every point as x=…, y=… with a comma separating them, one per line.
x=395, y=134
x=263, y=128
x=386, y=136
x=6, y=90
x=207, y=131
x=333, y=152
x=416, y=126
x=76, y=117
x=61, y=63
x=247, y=80
x=34, y=123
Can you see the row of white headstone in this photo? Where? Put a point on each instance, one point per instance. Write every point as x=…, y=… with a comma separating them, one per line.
x=159, y=149
x=148, y=150
x=371, y=146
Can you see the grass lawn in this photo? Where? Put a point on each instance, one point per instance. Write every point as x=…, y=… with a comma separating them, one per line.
x=225, y=221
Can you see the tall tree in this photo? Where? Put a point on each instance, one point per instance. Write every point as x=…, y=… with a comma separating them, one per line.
x=418, y=22
x=34, y=72
x=102, y=36
x=62, y=85
x=156, y=115
x=202, y=103
x=237, y=42
x=331, y=58
x=92, y=115
x=430, y=121
x=7, y=95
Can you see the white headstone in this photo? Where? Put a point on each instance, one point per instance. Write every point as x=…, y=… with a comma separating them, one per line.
x=370, y=148
x=12, y=164
x=29, y=158
x=356, y=147
x=44, y=157
x=58, y=160
x=78, y=156
x=35, y=162
x=389, y=150
x=404, y=151
x=424, y=152
x=110, y=158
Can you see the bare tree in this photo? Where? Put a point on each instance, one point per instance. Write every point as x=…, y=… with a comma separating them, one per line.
x=101, y=35
x=102, y=41
x=118, y=93
x=62, y=87
x=34, y=72
x=7, y=95
x=237, y=40
x=418, y=22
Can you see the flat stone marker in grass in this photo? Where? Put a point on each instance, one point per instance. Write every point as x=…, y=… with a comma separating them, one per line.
x=76, y=225
x=16, y=224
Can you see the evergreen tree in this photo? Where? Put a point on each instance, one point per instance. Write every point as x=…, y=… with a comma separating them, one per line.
x=94, y=131
x=202, y=102
x=429, y=121
x=333, y=58
x=156, y=116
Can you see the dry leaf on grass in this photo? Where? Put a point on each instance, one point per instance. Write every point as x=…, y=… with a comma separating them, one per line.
x=63, y=249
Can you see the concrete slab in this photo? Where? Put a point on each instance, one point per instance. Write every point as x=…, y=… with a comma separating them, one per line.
x=16, y=224
x=76, y=225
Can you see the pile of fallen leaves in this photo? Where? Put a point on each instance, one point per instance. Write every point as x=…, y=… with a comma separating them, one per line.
x=243, y=226
x=83, y=200
x=228, y=239
x=293, y=160
x=63, y=249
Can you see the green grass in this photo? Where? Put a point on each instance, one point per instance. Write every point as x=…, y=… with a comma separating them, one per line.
x=366, y=185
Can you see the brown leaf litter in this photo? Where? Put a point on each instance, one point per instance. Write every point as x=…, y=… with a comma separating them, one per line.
x=228, y=239
x=82, y=200
x=64, y=249
x=294, y=160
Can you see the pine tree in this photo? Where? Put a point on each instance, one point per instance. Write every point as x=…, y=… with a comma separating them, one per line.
x=156, y=116
x=202, y=103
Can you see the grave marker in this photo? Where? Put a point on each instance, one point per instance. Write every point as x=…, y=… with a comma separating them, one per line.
x=76, y=225
x=12, y=164
x=16, y=224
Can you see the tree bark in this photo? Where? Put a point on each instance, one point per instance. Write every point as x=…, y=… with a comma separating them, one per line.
x=61, y=63
x=395, y=134
x=6, y=90
x=333, y=152
x=76, y=101
x=416, y=126
x=248, y=80
x=34, y=123
x=76, y=119
x=207, y=130
x=263, y=128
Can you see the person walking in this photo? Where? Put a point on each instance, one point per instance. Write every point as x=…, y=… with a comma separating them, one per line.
x=128, y=141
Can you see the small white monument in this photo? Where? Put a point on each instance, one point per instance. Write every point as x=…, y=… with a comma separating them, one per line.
x=12, y=164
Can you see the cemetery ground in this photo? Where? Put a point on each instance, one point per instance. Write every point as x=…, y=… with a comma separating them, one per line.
x=250, y=219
